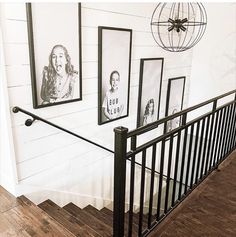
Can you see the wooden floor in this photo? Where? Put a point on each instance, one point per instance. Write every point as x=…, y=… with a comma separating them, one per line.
x=209, y=211
x=21, y=218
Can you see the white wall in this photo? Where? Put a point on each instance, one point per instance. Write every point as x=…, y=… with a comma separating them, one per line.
x=214, y=57
x=47, y=158
x=7, y=162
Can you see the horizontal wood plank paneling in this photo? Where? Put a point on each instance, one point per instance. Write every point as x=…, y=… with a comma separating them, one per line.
x=41, y=148
x=14, y=11
x=141, y=10
x=15, y=32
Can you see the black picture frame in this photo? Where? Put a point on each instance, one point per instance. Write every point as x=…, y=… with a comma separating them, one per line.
x=55, y=53
x=150, y=84
x=114, y=63
x=174, y=101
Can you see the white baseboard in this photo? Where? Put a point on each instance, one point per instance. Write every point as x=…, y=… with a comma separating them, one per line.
x=61, y=198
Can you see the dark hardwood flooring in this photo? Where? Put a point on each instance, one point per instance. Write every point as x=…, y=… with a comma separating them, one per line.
x=20, y=217
x=209, y=211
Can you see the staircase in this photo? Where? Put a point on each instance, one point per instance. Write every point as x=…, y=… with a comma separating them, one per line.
x=71, y=220
x=88, y=221
x=48, y=219
x=179, y=161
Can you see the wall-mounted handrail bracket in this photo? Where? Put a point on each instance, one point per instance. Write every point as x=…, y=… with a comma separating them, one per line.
x=15, y=109
x=29, y=122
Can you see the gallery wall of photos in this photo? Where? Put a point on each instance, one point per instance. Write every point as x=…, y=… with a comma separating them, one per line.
x=58, y=81
x=110, y=45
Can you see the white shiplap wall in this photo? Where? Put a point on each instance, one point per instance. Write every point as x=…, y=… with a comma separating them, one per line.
x=47, y=158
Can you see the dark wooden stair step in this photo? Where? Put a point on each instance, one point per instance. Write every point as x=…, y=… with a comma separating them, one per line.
x=136, y=221
x=109, y=214
x=134, y=226
x=108, y=219
x=30, y=220
x=99, y=215
x=72, y=224
x=98, y=225
x=145, y=218
x=136, y=218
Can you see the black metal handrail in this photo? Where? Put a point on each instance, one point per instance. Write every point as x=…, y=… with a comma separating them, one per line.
x=35, y=117
x=153, y=125
x=29, y=122
x=165, y=136
x=185, y=156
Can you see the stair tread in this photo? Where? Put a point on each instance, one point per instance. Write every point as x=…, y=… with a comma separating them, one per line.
x=99, y=215
x=72, y=224
x=94, y=223
x=29, y=220
x=109, y=214
x=134, y=225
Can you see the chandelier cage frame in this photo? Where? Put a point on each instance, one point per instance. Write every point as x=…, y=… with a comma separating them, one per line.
x=184, y=27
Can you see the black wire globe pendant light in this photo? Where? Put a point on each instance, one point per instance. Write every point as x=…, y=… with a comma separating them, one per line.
x=177, y=27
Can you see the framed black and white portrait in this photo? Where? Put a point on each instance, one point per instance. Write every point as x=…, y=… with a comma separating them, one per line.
x=174, y=101
x=54, y=33
x=150, y=82
x=114, y=61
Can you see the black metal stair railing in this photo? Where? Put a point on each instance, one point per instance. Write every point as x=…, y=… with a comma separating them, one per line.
x=35, y=117
x=185, y=156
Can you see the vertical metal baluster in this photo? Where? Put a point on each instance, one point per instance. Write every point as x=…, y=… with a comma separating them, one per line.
x=228, y=130
x=168, y=173
x=234, y=141
x=195, y=153
x=224, y=132
x=142, y=193
x=200, y=149
x=216, y=130
x=160, y=179
x=189, y=158
x=152, y=185
x=233, y=129
x=209, y=143
x=176, y=167
x=216, y=154
x=211, y=140
x=183, y=162
x=234, y=133
x=132, y=172
x=227, y=147
x=221, y=135
x=205, y=147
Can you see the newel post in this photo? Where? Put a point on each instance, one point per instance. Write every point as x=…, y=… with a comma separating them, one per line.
x=119, y=181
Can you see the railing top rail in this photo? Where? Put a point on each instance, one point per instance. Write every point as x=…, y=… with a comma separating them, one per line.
x=36, y=117
x=172, y=132
x=153, y=125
